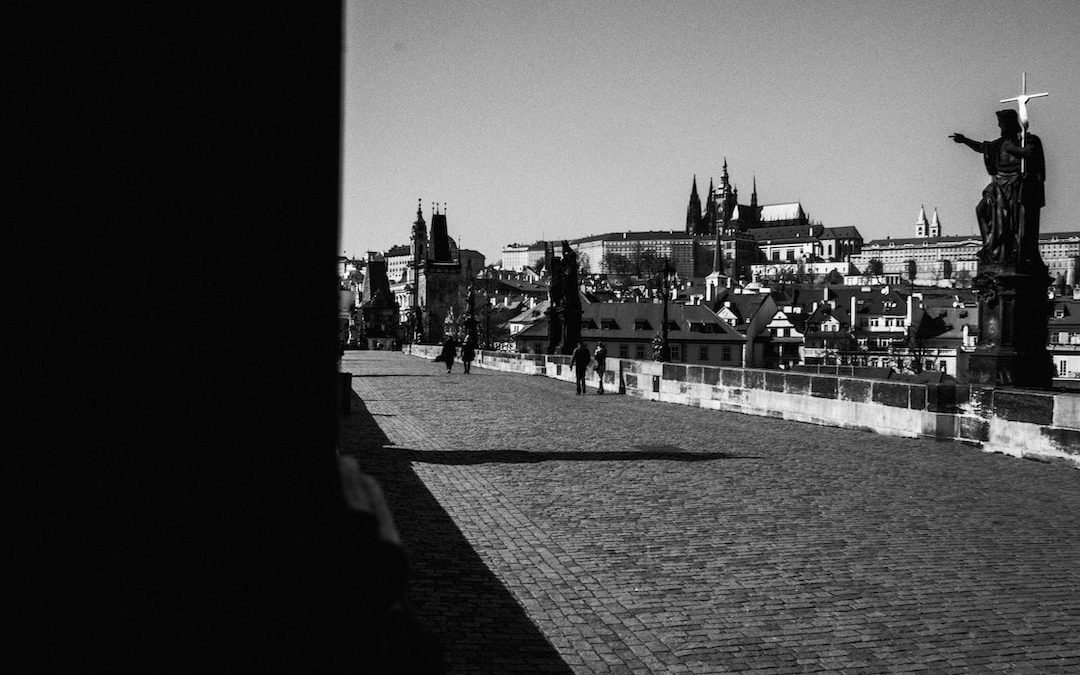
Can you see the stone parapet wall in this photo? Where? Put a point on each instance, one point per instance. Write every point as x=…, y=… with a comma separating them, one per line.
x=1024, y=423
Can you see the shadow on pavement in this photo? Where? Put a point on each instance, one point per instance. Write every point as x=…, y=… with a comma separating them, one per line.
x=450, y=590
x=399, y=374
x=465, y=457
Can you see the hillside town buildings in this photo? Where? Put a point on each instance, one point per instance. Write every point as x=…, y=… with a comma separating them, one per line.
x=696, y=335
x=934, y=259
x=760, y=286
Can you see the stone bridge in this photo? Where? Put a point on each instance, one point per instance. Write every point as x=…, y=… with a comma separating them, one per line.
x=549, y=532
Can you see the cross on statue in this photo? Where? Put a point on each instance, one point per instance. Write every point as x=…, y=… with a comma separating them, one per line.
x=1021, y=103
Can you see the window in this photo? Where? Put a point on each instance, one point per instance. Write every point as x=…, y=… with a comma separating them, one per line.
x=676, y=352
x=703, y=353
x=639, y=351
x=624, y=351
x=642, y=324
x=1063, y=368
x=941, y=366
x=725, y=353
x=608, y=324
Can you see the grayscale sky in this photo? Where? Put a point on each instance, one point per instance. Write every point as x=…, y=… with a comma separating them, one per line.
x=557, y=120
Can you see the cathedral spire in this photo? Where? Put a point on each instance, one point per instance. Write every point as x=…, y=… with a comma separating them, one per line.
x=693, y=210
x=935, y=225
x=753, y=194
x=709, y=225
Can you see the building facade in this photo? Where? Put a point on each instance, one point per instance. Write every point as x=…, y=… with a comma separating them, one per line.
x=517, y=257
x=696, y=335
x=935, y=259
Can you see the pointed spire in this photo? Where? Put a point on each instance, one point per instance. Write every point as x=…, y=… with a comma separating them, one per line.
x=922, y=215
x=419, y=209
x=710, y=209
x=753, y=194
x=693, y=210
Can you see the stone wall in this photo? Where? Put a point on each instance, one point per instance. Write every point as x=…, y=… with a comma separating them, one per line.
x=1024, y=423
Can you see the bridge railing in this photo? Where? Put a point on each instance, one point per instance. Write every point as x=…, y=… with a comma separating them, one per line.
x=1034, y=424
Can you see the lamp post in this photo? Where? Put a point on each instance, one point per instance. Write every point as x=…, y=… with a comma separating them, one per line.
x=666, y=274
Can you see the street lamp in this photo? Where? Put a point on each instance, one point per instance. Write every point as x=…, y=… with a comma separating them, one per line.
x=667, y=275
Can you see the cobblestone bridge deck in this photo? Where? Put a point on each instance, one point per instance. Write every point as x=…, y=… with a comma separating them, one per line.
x=549, y=532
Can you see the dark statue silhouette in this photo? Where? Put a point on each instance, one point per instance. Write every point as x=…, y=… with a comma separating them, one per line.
x=1012, y=280
x=1008, y=212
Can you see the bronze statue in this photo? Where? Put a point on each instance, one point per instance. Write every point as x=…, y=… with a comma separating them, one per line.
x=568, y=273
x=1008, y=213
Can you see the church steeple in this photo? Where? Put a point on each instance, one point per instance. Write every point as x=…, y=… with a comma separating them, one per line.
x=727, y=199
x=922, y=228
x=419, y=251
x=693, y=210
x=935, y=225
x=419, y=236
x=753, y=194
x=709, y=226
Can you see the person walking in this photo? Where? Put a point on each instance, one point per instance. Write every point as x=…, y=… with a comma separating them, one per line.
x=580, y=360
x=449, y=353
x=468, y=353
x=600, y=356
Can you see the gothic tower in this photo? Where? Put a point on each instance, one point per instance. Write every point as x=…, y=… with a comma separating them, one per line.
x=922, y=227
x=440, y=240
x=754, y=215
x=419, y=252
x=935, y=225
x=727, y=200
x=693, y=211
x=709, y=226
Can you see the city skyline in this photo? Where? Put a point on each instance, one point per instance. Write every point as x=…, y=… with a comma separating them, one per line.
x=562, y=121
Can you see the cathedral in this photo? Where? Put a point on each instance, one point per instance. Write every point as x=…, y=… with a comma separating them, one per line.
x=747, y=234
x=724, y=214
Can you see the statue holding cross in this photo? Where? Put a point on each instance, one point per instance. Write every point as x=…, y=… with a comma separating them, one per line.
x=1008, y=212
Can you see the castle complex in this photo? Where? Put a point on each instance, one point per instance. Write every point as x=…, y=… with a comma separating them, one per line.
x=723, y=237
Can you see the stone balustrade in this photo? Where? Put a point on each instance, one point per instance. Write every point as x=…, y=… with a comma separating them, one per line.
x=1034, y=424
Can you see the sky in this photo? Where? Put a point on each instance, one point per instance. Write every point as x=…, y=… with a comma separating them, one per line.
x=556, y=120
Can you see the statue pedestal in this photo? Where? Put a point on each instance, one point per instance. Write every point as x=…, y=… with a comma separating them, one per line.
x=555, y=329
x=564, y=329
x=1013, y=313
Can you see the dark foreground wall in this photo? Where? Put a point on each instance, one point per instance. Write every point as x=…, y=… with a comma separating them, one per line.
x=186, y=512
x=1024, y=423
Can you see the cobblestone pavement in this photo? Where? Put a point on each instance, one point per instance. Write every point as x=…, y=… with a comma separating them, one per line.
x=562, y=533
